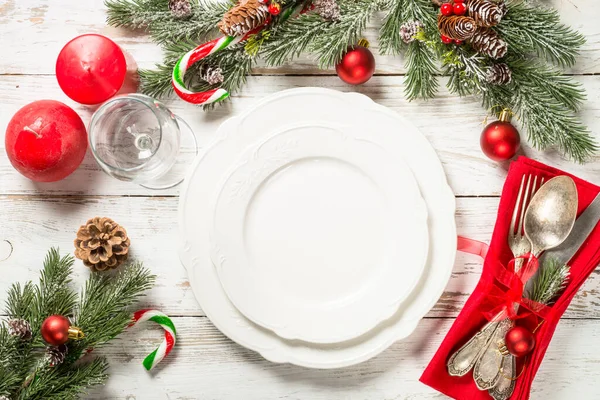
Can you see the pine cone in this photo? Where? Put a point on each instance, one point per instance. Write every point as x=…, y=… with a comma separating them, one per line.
x=499, y=74
x=485, y=12
x=56, y=354
x=328, y=9
x=213, y=76
x=486, y=41
x=409, y=29
x=242, y=18
x=456, y=27
x=20, y=328
x=102, y=244
x=4, y=398
x=180, y=8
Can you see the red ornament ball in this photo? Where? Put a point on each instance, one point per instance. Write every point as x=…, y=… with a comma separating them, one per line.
x=500, y=140
x=447, y=9
x=55, y=330
x=519, y=341
x=446, y=39
x=459, y=8
x=46, y=141
x=357, y=66
x=274, y=8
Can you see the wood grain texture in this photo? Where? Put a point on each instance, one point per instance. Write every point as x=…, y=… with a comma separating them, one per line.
x=452, y=125
x=46, y=25
x=34, y=224
x=205, y=364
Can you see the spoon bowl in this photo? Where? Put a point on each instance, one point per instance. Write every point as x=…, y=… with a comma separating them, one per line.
x=551, y=214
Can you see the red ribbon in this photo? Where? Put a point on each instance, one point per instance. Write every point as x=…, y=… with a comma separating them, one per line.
x=506, y=290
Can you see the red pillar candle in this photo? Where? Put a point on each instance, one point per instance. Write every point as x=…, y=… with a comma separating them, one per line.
x=91, y=69
x=46, y=141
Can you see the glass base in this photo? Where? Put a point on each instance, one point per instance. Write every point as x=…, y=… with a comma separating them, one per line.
x=188, y=150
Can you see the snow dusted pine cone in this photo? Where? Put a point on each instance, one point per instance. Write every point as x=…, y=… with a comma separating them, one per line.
x=499, y=74
x=243, y=17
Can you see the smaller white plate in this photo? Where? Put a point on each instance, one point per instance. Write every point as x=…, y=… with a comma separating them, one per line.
x=319, y=234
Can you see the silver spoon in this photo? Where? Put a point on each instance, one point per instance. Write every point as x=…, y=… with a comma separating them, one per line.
x=548, y=222
x=551, y=214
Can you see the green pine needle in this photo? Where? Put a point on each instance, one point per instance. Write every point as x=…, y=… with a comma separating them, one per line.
x=103, y=312
x=548, y=284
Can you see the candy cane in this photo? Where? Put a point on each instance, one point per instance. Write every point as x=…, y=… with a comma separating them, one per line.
x=170, y=335
x=204, y=50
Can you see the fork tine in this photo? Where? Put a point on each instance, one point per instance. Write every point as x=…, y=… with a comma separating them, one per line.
x=524, y=205
x=513, y=221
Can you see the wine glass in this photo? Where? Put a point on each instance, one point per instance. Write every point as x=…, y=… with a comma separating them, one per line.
x=138, y=139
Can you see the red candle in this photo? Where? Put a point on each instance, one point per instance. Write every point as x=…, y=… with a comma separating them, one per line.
x=46, y=141
x=91, y=69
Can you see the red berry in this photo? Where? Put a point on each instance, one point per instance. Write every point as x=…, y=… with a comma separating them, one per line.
x=459, y=1
x=458, y=42
x=459, y=9
x=446, y=39
x=447, y=9
x=274, y=8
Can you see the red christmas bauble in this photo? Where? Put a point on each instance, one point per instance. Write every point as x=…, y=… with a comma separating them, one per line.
x=519, y=341
x=500, y=140
x=55, y=330
x=459, y=9
x=447, y=9
x=357, y=66
x=46, y=141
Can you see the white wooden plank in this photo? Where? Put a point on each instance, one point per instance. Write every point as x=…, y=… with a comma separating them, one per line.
x=206, y=365
x=452, y=125
x=37, y=30
x=33, y=225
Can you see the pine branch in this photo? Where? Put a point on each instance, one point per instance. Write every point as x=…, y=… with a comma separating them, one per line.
x=163, y=26
x=103, y=312
x=290, y=39
x=235, y=62
x=332, y=43
x=421, y=80
x=389, y=36
x=538, y=97
x=66, y=382
x=532, y=29
x=551, y=280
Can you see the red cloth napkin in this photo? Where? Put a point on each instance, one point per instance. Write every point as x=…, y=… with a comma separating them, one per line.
x=471, y=319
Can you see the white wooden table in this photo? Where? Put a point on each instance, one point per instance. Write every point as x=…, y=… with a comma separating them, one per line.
x=205, y=364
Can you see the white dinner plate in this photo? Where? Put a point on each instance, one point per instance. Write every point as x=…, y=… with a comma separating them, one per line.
x=400, y=138
x=316, y=225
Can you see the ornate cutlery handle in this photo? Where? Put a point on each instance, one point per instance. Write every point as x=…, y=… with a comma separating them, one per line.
x=465, y=358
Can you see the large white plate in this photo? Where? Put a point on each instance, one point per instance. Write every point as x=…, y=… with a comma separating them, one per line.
x=400, y=138
x=316, y=225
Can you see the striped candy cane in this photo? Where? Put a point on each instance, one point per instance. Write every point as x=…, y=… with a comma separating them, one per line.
x=167, y=344
x=206, y=49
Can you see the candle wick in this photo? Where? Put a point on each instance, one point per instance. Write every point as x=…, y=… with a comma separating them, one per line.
x=28, y=129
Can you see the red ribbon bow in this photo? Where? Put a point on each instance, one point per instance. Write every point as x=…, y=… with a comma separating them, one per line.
x=505, y=295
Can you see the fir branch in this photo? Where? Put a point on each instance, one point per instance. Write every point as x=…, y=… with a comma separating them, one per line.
x=332, y=43
x=234, y=61
x=291, y=38
x=538, y=97
x=421, y=80
x=163, y=26
x=66, y=382
x=529, y=28
x=551, y=280
x=103, y=312
x=390, y=41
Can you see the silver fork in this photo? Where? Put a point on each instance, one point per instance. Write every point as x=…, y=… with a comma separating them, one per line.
x=505, y=381
x=470, y=354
